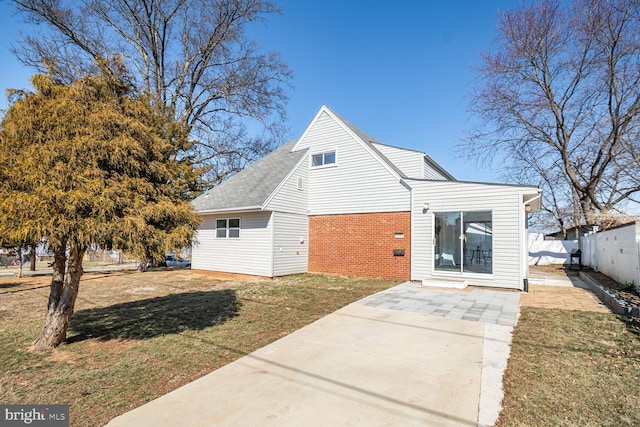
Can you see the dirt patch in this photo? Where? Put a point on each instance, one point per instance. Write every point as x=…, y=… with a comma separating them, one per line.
x=15, y=284
x=627, y=293
x=555, y=268
x=87, y=358
x=60, y=356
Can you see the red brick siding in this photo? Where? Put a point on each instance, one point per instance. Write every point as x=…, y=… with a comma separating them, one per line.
x=360, y=245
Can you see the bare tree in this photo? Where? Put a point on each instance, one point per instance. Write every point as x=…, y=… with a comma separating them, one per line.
x=561, y=95
x=560, y=209
x=192, y=56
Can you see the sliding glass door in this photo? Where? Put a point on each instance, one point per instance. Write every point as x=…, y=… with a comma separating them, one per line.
x=447, y=239
x=463, y=242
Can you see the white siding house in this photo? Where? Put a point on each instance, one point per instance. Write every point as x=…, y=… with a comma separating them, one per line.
x=231, y=254
x=338, y=201
x=268, y=203
x=432, y=170
x=290, y=244
x=414, y=164
x=408, y=161
x=358, y=181
x=506, y=240
x=292, y=195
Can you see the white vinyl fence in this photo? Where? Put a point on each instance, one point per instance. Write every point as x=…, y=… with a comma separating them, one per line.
x=615, y=252
x=547, y=252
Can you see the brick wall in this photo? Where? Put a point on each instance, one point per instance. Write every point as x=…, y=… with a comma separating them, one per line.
x=361, y=245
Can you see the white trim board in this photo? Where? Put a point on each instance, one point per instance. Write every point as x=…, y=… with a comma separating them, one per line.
x=443, y=283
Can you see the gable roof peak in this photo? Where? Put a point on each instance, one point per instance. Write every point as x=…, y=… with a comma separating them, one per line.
x=367, y=140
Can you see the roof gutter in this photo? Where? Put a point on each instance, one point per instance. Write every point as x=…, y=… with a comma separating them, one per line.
x=238, y=209
x=534, y=203
x=439, y=168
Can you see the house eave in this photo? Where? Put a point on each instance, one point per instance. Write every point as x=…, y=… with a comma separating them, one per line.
x=235, y=209
x=405, y=184
x=439, y=168
x=532, y=201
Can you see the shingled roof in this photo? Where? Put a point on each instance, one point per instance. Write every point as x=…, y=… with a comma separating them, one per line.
x=251, y=187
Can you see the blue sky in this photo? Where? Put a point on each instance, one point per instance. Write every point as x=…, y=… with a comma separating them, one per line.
x=400, y=71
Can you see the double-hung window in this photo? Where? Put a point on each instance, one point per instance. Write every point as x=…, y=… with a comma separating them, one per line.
x=323, y=159
x=228, y=228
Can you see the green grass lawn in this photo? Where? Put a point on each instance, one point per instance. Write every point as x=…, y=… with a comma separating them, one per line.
x=572, y=368
x=136, y=336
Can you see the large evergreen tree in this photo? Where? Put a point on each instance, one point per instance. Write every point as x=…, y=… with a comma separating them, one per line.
x=91, y=163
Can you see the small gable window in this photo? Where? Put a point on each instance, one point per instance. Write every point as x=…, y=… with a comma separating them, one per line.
x=323, y=159
x=228, y=228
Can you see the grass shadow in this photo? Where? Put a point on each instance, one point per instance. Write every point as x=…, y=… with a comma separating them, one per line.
x=154, y=317
x=97, y=274
x=10, y=285
x=633, y=325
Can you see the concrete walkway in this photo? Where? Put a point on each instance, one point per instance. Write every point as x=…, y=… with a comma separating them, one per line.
x=402, y=357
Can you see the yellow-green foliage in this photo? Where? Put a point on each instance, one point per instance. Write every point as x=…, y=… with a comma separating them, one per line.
x=89, y=163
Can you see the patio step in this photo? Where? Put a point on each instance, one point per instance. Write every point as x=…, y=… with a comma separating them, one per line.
x=444, y=283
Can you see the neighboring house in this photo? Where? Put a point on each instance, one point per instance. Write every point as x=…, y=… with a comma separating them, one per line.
x=337, y=201
x=573, y=233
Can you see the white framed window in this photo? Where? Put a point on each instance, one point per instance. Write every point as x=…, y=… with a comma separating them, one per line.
x=328, y=158
x=228, y=228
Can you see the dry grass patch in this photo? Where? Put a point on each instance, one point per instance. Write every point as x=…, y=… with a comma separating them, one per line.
x=136, y=336
x=572, y=368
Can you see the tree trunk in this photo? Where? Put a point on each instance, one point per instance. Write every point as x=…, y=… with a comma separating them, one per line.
x=563, y=229
x=589, y=212
x=142, y=266
x=62, y=298
x=32, y=266
x=19, y=262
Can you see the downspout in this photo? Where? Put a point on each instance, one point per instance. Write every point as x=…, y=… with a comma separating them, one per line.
x=525, y=280
x=411, y=229
x=525, y=261
x=272, y=221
